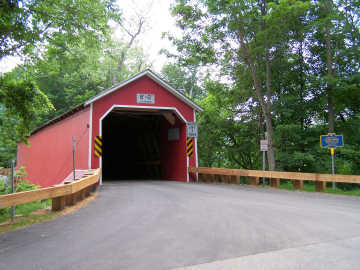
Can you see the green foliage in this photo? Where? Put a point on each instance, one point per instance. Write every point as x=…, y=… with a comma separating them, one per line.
x=26, y=24
x=228, y=137
x=184, y=79
x=21, y=184
x=279, y=48
x=20, y=102
x=72, y=75
x=310, y=187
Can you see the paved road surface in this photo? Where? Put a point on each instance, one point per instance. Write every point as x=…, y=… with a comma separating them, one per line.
x=166, y=225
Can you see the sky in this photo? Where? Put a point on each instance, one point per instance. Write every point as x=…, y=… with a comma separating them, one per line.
x=158, y=20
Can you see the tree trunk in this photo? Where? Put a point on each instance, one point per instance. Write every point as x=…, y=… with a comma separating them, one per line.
x=269, y=126
x=265, y=105
x=261, y=125
x=133, y=36
x=331, y=116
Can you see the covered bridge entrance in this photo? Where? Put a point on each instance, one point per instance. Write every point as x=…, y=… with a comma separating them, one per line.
x=141, y=137
x=134, y=130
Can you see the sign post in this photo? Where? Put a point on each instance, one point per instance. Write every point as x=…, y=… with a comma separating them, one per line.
x=191, y=134
x=264, y=148
x=332, y=141
x=74, y=149
x=12, y=187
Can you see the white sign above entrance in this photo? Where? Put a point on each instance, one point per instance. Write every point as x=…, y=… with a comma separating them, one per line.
x=145, y=98
x=191, y=130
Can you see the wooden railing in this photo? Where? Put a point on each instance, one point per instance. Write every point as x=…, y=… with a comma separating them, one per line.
x=233, y=176
x=61, y=195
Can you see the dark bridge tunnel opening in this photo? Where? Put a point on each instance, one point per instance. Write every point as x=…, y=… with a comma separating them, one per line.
x=132, y=146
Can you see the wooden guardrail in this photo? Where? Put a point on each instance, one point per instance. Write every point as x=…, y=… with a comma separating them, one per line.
x=233, y=176
x=61, y=195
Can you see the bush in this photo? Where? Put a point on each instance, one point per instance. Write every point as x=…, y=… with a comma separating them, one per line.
x=21, y=184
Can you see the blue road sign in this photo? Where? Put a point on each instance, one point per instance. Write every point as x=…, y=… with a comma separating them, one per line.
x=331, y=141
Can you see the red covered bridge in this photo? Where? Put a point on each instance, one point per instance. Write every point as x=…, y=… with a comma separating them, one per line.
x=142, y=123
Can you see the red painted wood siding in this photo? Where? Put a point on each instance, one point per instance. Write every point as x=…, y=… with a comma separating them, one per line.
x=176, y=165
x=48, y=159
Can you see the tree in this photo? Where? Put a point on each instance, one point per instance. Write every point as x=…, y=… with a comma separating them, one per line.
x=69, y=74
x=20, y=102
x=26, y=24
x=334, y=56
x=184, y=79
x=229, y=133
x=240, y=37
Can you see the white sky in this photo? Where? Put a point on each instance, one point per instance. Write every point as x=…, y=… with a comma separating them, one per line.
x=158, y=20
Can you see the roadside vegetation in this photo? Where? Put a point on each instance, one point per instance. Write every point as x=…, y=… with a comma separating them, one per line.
x=287, y=71
x=310, y=187
x=23, y=210
x=30, y=213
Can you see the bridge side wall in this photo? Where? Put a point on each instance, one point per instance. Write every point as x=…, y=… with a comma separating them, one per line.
x=48, y=158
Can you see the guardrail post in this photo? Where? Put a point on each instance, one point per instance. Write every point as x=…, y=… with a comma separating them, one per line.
x=87, y=191
x=70, y=199
x=238, y=179
x=228, y=179
x=320, y=186
x=298, y=184
x=221, y=179
x=254, y=181
x=81, y=195
x=275, y=182
x=77, y=196
x=58, y=203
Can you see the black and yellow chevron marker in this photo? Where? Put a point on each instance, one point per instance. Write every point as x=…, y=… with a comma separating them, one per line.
x=189, y=146
x=98, y=146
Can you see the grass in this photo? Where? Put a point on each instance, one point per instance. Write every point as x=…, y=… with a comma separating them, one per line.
x=36, y=212
x=310, y=187
x=23, y=210
x=25, y=215
x=32, y=218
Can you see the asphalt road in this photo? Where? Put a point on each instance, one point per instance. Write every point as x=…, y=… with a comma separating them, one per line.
x=166, y=225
